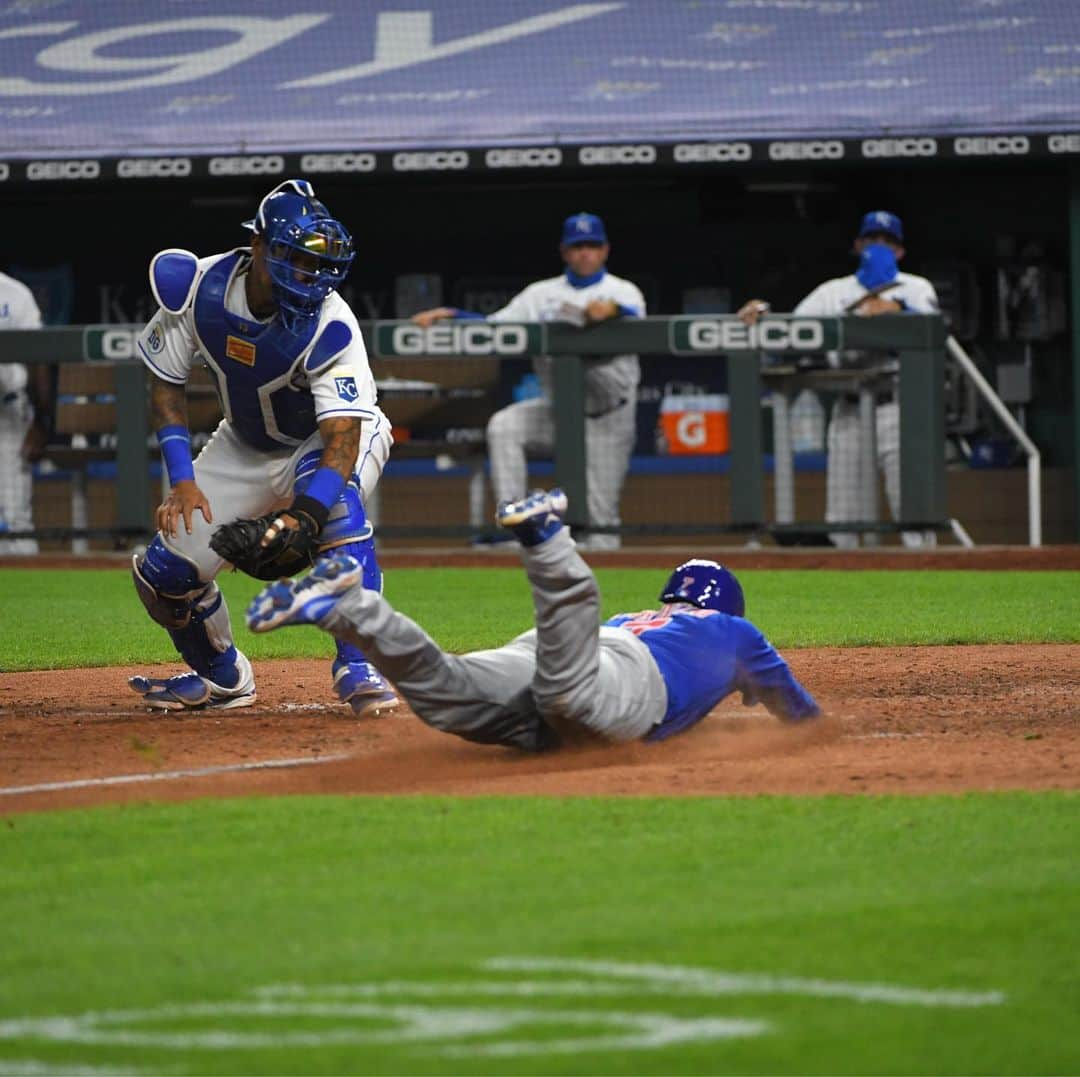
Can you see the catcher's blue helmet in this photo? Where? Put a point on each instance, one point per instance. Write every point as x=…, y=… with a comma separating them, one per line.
x=308, y=252
x=707, y=585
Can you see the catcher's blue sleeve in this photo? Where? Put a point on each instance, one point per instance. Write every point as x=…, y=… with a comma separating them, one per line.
x=704, y=656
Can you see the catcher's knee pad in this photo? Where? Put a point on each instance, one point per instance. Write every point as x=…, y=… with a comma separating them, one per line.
x=194, y=612
x=167, y=583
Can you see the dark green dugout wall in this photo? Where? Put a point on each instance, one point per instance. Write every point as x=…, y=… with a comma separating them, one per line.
x=772, y=232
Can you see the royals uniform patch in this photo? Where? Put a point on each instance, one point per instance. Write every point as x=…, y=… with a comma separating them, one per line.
x=242, y=351
x=346, y=388
x=156, y=340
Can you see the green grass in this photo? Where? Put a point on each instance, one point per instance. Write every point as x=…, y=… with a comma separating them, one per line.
x=152, y=906
x=92, y=617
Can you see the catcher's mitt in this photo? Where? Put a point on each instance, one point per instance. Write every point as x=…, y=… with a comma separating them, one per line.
x=264, y=547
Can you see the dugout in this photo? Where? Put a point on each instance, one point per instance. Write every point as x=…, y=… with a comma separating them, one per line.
x=755, y=189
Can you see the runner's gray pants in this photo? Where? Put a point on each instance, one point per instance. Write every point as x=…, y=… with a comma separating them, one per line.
x=566, y=668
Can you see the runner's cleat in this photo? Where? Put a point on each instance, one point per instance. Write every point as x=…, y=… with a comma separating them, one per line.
x=306, y=601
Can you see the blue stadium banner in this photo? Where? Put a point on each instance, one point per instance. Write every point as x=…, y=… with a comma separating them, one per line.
x=120, y=91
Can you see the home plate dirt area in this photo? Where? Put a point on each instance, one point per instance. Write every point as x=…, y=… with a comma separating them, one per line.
x=900, y=720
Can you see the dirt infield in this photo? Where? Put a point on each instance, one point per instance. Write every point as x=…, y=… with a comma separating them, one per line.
x=901, y=720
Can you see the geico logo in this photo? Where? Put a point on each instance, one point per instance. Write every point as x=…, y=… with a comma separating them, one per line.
x=5, y=171
x=247, y=166
x=337, y=162
x=1063, y=143
x=899, y=147
x=687, y=153
x=806, y=151
x=63, y=170
x=547, y=157
x=768, y=333
x=153, y=167
x=991, y=146
x=117, y=344
x=436, y=161
x=460, y=340
x=617, y=155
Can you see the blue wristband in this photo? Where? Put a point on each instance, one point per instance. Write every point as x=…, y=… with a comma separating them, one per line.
x=325, y=486
x=175, y=442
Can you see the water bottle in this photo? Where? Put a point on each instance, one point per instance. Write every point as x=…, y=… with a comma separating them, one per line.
x=807, y=423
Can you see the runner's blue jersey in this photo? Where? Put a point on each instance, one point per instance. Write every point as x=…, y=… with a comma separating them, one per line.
x=704, y=655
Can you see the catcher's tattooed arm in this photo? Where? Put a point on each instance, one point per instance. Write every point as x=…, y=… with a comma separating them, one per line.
x=168, y=406
x=341, y=444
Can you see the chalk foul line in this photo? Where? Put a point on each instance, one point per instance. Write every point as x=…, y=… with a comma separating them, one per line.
x=169, y=775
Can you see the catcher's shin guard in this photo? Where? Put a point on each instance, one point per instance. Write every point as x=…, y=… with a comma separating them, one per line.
x=193, y=612
x=356, y=681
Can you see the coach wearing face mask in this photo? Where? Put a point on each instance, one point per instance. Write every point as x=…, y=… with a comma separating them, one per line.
x=876, y=287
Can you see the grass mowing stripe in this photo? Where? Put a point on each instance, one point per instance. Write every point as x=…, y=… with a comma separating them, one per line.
x=93, y=618
x=217, y=906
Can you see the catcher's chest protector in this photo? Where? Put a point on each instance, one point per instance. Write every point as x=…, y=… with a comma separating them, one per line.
x=253, y=364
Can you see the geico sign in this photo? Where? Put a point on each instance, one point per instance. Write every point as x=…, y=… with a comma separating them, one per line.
x=337, y=162
x=1063, y=143
x=899, y=147
x=832, y=150
x=63, y=170
x=477, y=339
x=991, y=146
x=434, y=161
x=768, y=333
x=531, y=157
x=117, y=344
x=617, y=155
x=269, y=165
x=691, y=153
x=152, y=167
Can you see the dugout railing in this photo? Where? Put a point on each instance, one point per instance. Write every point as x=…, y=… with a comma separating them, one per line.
x=762, y=361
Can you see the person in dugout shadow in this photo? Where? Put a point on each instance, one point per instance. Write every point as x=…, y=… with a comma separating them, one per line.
x=876, y=287
x=585, y=293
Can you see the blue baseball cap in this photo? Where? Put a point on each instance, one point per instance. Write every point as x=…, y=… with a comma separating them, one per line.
x=881, y=220
x=583, y=228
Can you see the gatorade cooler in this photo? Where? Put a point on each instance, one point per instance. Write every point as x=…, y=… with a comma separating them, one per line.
x=694, y=424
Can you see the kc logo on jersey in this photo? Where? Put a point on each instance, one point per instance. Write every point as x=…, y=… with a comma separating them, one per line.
x=243, y=351
x=346, y=388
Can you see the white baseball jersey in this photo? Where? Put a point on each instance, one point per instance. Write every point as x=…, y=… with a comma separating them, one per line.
x=18, y=310
x=170, y=345
x=834, y=297
x=608, y=382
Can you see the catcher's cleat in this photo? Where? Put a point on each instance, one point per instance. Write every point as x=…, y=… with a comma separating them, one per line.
x=189, y=691
x=535, y=518
x=306, y=601
x=363, y=687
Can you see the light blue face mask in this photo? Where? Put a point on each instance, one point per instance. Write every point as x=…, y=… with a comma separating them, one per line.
x=877, y=266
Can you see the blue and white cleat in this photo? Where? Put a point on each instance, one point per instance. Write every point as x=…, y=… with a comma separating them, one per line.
x=189, y=691
x=306, y=601
x=363, y=687
x=535, y=518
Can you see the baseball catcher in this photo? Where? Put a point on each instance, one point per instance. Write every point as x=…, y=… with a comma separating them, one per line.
x=301, y=427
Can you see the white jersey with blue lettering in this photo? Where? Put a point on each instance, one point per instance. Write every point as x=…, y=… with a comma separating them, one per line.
x=170, y=347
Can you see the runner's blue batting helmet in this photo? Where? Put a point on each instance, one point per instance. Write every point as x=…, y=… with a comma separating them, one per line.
x=707, y=585
x=308, y=252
